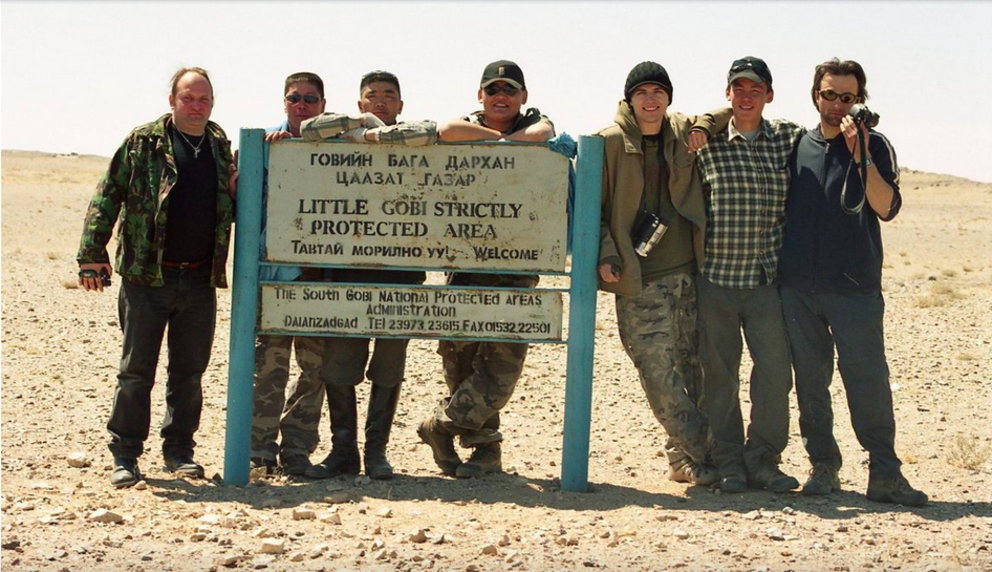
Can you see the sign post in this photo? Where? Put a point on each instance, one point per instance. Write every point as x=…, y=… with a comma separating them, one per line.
x=497, y=208
x=244, y=308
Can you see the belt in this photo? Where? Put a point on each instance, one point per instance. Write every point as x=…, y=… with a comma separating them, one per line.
x=185, y=265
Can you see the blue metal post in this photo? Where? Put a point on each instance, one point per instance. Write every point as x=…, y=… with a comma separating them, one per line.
x=582, y=315
x=244, y=308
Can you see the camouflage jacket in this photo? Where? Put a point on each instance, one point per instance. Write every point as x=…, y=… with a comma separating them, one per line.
x=406, y=133
x=136, y=188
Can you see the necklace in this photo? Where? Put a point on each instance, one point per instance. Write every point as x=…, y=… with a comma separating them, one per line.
x=196, y=148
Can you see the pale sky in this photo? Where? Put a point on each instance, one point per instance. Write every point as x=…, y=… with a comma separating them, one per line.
x=78, y=76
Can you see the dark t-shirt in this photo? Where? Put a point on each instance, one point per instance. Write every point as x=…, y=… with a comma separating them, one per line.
x=191, y=228
x=673, y=253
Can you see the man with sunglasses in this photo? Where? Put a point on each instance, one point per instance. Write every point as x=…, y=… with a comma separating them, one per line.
x=171, y=185
x=481, y=376
x=347, y=360
x=745, y=182
x=831, y=278
x=295, y=417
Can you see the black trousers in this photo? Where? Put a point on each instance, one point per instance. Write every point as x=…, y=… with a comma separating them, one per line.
x=186, y=306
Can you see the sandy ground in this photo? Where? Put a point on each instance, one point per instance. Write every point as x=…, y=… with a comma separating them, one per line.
x=60, y=352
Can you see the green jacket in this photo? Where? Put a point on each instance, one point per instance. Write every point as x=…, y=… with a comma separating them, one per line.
x=623, y=185
x=136, y=187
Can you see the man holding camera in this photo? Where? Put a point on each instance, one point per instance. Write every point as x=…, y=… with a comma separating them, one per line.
x=831, y=275
x=652, y=228
x=745, y=182
x=171, y=184
x=481, y=376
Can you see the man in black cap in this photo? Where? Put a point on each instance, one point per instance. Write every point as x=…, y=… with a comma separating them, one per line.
x=745, y=177
x=652, y=228
x=481, y=376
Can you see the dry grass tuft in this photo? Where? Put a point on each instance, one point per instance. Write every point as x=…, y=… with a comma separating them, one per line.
x=969, y=453
x=940, y=295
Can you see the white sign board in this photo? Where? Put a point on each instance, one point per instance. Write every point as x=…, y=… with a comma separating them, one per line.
x=420, y=311
x=442, y=206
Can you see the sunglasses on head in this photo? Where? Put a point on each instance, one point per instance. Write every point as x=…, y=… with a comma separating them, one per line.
x=831, y=95
x=493, y=89
x=308, y=98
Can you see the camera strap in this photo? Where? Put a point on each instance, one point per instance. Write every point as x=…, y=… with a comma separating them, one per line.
x=856, y=209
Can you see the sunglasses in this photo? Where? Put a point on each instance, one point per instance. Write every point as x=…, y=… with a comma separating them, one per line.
x=493, y=89
x=309, y=98
x=831, y=95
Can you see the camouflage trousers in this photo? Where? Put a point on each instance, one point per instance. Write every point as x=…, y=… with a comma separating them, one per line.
x=481, y=377
x=297, y=416
x=658, y=331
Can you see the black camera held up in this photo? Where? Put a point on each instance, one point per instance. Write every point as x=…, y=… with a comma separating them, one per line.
x=861, y=114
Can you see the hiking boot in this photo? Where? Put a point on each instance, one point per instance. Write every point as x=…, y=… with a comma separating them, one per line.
x=771, y=478
x=822, y=480
x=486, y=458
x=692, y=473
x=184, y=466
x=344, y=458
x=378, y=425
x=125, y=473
x=895, y=490
x=733, y=483
x=294, y=465
x=442, y=444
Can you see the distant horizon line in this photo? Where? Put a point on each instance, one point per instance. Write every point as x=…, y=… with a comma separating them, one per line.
x=75, y=154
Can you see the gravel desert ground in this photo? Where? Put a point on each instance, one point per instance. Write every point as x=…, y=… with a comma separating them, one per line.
x=61, y=348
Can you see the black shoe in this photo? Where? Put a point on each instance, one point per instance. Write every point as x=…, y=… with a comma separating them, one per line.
x=769, y=477
x=334, y=465
x=184, y=466
x=378, y=424
x=895, y=490
x=733, y=484
x=125, y=473
x=344, y=458
x=485, y=459
x=822, y=480
x=295, y=465
x=442, y=444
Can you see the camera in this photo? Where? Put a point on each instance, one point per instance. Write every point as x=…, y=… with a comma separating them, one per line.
x=104, y=277
x=862, y=115
x=647, y=234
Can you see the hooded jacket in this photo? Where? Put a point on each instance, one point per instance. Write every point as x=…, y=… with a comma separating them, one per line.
x=826, y=249
x=623, y=185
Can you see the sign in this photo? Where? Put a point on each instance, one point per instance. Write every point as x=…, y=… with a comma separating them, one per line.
x=445, y=206
x=421, y=311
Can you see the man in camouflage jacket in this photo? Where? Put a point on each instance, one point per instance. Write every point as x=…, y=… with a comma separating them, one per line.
x=175, y=209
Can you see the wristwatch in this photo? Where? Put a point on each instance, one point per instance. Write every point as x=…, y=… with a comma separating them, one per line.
x=868, y=163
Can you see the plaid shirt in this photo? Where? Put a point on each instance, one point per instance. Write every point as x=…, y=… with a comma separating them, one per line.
x=746, y=185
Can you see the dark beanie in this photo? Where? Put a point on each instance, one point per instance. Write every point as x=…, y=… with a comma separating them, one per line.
x=647, y=72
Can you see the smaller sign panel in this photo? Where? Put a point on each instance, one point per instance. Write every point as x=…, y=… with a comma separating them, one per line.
x=422, y=312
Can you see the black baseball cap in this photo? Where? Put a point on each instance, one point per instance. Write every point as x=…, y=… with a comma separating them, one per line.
x=503, y=70
x=752, y=68
x=647, y=72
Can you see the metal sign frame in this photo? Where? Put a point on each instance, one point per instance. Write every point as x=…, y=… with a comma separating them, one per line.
x=582, y=311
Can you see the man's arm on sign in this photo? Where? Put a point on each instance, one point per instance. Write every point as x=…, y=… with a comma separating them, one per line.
x=461, y=130
x=536, y=133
